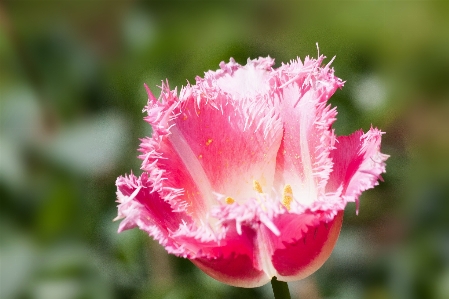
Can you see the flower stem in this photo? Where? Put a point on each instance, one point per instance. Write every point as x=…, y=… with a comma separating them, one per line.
x=280, y=289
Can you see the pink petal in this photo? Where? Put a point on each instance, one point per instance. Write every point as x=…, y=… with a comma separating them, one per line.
x=249, y=81
x=234, y=261
x=145, y=209
x=303, y=159
x=213, y=142
x=358, y=163
x=306, y=243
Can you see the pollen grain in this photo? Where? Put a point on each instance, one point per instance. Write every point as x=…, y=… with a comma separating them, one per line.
x=287, y=196
x=257, y=187
x=229, y=200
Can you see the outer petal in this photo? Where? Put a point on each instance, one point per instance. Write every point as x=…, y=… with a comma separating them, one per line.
x=169, y=174
x=234, y=260
x=358, y=164
x=146, y=209
x=306, y=242
x=237, y=259
x=303, y=159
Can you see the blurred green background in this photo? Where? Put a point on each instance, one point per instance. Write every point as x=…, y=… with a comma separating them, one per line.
x=71, y=83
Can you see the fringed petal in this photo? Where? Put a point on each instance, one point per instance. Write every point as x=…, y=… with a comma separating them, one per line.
x=215, y=141
x=303, y=160
x=236, y=133
x=358, y=164
x=140, y=207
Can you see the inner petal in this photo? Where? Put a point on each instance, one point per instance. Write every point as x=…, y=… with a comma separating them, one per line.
x=235, y=145
x=304, y=157
x=294, y=160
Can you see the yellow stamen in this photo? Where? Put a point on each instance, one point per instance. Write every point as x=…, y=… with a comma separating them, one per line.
x=229, y=200
x=257, y=186
x=208, y=142
x=287, y=196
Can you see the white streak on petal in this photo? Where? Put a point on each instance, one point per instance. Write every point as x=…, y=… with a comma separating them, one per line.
x=194, y=167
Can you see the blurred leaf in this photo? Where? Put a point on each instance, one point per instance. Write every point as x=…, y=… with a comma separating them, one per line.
x=91, y=147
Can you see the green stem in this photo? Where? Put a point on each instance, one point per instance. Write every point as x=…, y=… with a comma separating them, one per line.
x=280, y=289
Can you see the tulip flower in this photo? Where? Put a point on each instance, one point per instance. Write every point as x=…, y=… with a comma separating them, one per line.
x=243, y=173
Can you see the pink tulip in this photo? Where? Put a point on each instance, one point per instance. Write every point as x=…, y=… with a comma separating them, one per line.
x=244, y=175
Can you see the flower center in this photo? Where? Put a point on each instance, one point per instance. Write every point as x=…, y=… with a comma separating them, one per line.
x=287, y=195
